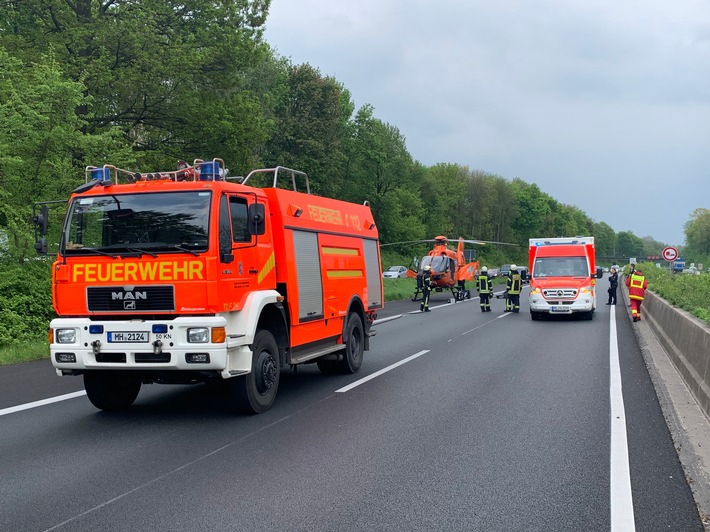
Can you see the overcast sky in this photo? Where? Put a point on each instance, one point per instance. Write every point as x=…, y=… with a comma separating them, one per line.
x=604, y=104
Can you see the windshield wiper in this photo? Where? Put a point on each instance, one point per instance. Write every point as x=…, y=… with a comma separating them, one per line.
x=93, y=250
x=131, y=249
x=165, y=245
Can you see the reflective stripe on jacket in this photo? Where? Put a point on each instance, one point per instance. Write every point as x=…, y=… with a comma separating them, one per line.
x=483, y=284
x=515, y=283
x=637, y=286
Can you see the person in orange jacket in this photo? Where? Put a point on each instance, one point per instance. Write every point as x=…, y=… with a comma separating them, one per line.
x=637, y=284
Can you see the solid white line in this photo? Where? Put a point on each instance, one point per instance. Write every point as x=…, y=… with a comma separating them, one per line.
x=35, y=404
x=622, y=505
x=378, y=373
x=385, y=320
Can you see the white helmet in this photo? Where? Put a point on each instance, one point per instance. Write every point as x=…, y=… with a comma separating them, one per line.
x=484, y=269
x=427, y=268
x=513, y=267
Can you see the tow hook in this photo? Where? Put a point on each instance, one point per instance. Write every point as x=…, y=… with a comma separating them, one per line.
x=157, y=347
x=96, y=346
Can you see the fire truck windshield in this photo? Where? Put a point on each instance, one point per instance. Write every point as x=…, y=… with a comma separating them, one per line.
x=148, y=222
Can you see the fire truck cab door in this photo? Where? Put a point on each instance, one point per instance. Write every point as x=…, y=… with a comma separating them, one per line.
x=242, y=255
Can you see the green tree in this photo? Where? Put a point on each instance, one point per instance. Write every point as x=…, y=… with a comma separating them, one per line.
x=167, y=73
x=604, y=239
x=38, y=130
x=629, y=245
x=312, y=129
x=697, y=235
x=443, y=194
x=379, y=169
x=534, y=211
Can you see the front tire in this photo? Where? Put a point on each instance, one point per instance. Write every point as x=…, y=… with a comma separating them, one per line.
x=255, y=392
x=354, y=340
x=111, y=390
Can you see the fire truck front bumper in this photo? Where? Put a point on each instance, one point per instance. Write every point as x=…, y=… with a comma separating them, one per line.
x=197, y=344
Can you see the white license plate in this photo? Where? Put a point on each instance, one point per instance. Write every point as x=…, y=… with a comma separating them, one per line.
x=560, y=310
x=127, y=337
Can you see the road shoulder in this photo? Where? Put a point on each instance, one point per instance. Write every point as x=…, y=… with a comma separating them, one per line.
x=689, y=427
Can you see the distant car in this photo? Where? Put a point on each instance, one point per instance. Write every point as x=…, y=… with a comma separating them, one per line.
x=493, y=273
x=395, y=272
x=692, y=270
x=504, y=270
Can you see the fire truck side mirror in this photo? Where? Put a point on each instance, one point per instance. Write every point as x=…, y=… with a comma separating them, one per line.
x=41, y=220
x=41, y=246
x=257, y=219
x=600, y=273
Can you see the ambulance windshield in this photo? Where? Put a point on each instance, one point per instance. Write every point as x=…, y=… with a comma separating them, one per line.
x=561, y=267
x=148, y=222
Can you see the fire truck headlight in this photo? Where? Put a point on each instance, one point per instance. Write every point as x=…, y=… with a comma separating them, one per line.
x=198, y=335
x=535, y=291
x=65, y=336
x=586, y=290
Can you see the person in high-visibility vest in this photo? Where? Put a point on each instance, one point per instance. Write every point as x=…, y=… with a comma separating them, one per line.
x=514, y=286
x=483, y=285
x=637, y=284
x=426, y=288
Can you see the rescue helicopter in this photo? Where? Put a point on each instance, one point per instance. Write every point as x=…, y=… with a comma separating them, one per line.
x=449, y=268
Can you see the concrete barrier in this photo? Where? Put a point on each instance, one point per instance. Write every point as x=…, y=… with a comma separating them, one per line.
x=686, y=340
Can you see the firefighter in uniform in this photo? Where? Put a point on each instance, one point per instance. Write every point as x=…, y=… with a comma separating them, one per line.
x=426, y=288
x=514, y=285
x=483, y=285
x=637, y=284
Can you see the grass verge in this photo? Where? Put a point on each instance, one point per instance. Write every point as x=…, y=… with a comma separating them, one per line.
x=14, y=354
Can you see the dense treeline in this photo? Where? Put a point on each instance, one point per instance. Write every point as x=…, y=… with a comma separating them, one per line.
x=142, y=84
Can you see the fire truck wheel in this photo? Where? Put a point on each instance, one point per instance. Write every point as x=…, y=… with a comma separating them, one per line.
x=354, y=340
x=111, y=390
x=255, y=392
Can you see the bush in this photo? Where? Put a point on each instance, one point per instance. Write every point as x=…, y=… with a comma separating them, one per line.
x=25, y=302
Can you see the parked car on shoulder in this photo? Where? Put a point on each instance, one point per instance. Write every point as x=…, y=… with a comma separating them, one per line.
x=395, y=272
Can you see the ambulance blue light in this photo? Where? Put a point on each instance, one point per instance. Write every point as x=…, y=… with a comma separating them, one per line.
x=101, y=174
x=209, y=171
x=160, y=328
x=96, y=329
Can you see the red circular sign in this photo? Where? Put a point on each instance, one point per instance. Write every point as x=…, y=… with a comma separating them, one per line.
x=670, y=253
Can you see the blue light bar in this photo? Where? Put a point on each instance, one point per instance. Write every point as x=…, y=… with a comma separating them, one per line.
x=96, y=329
x=209, y=171
x=160, y=328
x=101, y=174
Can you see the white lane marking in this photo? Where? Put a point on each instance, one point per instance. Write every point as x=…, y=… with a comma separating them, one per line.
x=35, y=404
x=388, y=318
x=383, y=370
x=622, y=505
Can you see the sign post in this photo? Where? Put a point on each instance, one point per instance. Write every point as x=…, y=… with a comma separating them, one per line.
x=670, y=254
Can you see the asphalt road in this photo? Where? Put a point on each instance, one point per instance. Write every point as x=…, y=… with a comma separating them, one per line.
x=469, y=421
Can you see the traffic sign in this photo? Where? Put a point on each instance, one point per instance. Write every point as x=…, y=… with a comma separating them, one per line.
x=670, y=253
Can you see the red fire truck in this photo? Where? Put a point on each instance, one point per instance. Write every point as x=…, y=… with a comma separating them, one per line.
x=189, y=276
